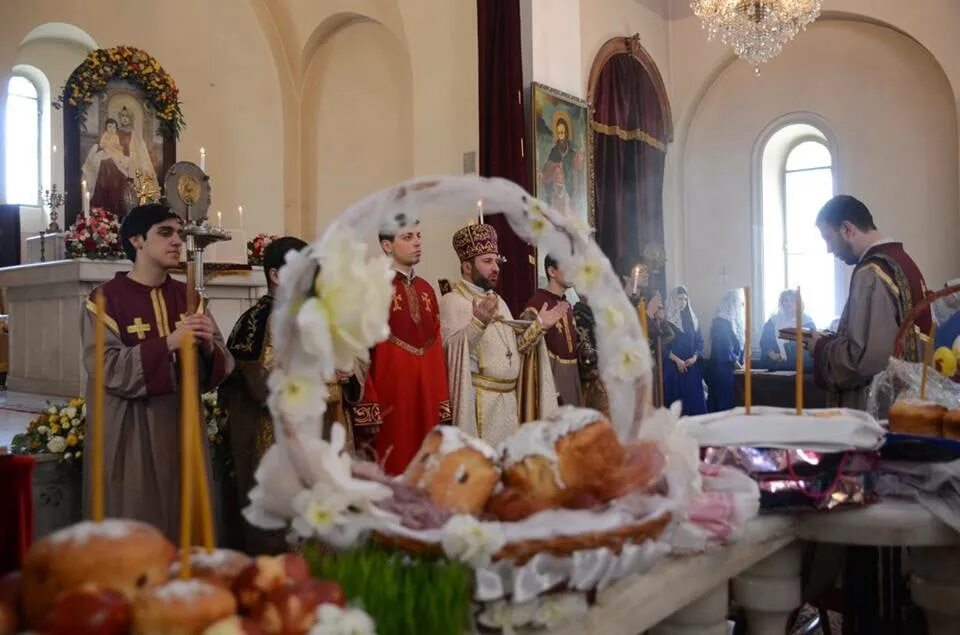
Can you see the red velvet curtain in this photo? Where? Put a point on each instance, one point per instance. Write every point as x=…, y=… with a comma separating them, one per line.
x=16, y=501
x=629, y=151
x=501, y=135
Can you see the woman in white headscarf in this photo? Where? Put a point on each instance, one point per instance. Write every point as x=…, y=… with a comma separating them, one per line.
x=778, y=353
x=727, y=338
x=682, y=374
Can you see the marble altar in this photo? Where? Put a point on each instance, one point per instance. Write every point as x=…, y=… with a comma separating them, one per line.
x=44, y=303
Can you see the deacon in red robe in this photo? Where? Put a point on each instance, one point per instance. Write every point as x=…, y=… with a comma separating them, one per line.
x=885, y=286
x=562, y=340
x=145, y=315
x=409, y=370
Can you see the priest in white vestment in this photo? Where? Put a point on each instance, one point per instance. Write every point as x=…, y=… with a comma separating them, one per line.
x=498, y=367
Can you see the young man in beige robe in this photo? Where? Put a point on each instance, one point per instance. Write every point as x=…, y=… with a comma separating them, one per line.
x=145, y=325
x=885, y=285
x=498, y=368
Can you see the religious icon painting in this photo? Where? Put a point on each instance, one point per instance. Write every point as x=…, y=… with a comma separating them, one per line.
x=560, y=154
x=119, y=136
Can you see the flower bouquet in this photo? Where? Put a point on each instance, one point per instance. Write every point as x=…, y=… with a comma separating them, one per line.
x=102, y=66
x=96, y=236
x=59, y=430
x=255, y=247
x=574, y=503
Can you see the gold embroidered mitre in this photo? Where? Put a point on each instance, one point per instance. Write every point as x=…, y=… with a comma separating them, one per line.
x=475, y=240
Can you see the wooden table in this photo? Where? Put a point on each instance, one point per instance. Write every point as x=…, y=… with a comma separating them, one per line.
x=689, y=594
x=778, y=388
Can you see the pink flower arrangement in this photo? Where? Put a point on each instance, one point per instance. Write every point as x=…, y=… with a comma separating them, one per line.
x=255, y=247
x=96, y=236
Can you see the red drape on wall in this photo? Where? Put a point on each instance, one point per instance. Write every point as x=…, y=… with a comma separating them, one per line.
x=629, y=151
x=16, y=501
x=501, y=135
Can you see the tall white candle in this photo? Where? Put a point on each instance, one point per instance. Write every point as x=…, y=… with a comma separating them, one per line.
x=86, y=202
x=203, y=160
x=240, y=211
x=480, y=210
x=219, y=219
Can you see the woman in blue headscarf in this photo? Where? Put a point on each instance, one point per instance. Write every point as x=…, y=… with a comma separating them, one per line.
x=727, y=337
x=682, y=374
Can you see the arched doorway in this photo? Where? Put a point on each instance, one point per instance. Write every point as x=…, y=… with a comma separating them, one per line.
x=631, y=127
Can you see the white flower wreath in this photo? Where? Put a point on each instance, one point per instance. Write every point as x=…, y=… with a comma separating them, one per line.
x=333, y=306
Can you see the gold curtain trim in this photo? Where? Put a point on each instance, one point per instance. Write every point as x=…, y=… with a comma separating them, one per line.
x=628, y=135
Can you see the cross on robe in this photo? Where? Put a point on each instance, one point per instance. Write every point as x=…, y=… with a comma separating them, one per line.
x=139, y=328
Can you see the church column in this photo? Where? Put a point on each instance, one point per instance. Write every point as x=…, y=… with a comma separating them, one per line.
x=935, y=586
x=4, y=78
x=705, y=616
x=770, y=591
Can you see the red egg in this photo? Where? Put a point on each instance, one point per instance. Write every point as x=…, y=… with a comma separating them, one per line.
x=89, y=611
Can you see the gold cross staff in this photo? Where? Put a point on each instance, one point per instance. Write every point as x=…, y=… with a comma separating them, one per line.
x=140, y=328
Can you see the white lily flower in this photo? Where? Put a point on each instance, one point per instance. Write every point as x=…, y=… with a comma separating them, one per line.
x=354, y=291
x=297, y=396
x=630, y=358
x=556, y=609
x=613, y=318
x=468, y=540
x=507, y=616
x=314, y=324
x=333, y=620
x=587, y=274
x=319, y=509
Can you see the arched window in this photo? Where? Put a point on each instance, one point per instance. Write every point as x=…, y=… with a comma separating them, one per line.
x=22, y=132
x=797, y=179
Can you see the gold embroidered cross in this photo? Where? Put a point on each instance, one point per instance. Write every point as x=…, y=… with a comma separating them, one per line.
x=426, y=301
x=140, y=328
x=396, y=302
x=180, y=321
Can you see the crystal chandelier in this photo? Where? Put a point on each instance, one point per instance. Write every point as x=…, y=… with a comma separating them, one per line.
x=756, y=29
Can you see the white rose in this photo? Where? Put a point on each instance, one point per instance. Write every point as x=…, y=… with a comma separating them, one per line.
x=43, y=429
x=52, y=410
x=470, y=541
x=57, y=444
x=333, y=620
x=70, y=412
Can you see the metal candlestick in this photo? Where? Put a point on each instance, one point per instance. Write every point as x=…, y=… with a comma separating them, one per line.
x=53, y=199
x=198, y=237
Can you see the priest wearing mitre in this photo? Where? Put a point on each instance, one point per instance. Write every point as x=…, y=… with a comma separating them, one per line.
x=498, y=368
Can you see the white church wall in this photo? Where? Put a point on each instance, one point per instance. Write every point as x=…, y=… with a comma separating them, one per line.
x=892, y=109
x=218, y=56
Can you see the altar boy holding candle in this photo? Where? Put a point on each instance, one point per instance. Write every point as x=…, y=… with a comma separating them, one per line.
x=145, y=315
